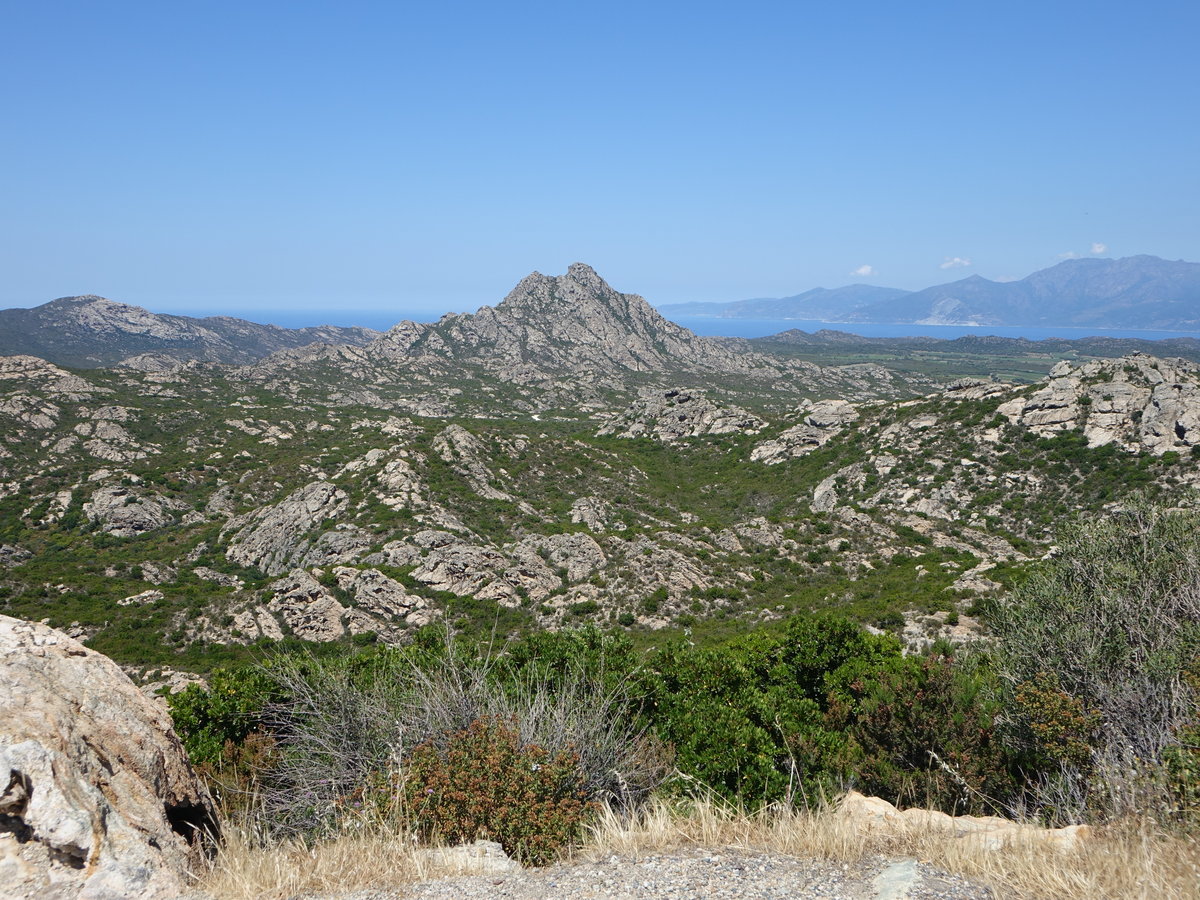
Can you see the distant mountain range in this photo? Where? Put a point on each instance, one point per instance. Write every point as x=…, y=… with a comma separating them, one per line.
x=1137, y=292
x=91, y=331
x=576, y=322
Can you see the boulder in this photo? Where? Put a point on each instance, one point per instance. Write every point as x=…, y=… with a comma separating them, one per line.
x=97, y=799
x=465, y=454
x=308, y=607
x=595, y=513
x=823, y=420
x=11, y=555
x=984, y=832
x=578, y=554
x=483, y=857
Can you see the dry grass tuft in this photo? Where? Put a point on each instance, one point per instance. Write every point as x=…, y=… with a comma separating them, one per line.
x=1131, y=862
x=247, y=870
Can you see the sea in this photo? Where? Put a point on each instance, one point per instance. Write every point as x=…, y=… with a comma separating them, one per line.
x=715, y=326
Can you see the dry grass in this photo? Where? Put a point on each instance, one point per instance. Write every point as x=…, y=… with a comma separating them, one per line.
x=1117, y=862
x=245, y=869
x=1129, y=863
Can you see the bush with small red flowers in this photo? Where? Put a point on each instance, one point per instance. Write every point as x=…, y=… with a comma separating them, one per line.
x=484, y=782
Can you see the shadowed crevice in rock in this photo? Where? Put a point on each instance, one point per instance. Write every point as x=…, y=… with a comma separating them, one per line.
x=69, y=856
x=194, y=823
x=13, y=803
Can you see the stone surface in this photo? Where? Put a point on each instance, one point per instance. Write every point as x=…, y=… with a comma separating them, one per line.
x=480, y=858
x=985, y=832
x=464, y=453
x=822, y=421
x=308, y=608
x=596, y=513
x=97, y=799
x=11, y=555
x=577, y=555
x=470, y=570
x=1135, y=401
x=126, y=512
x=678, y=414
x=694, y=872
x=384, y=598
x=273, y=538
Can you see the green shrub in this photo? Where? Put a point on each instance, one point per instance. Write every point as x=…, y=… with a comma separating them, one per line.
x=348, y=728
x=822, y=704
x=922, y=733
x=210, y=720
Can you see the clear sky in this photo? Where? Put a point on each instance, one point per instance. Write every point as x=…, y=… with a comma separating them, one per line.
x=297, y=156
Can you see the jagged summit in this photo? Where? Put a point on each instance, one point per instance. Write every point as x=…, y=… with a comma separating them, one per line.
x=565, y=339
x=560, y=323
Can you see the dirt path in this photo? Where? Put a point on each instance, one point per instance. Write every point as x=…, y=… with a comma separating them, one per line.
x=695, y=874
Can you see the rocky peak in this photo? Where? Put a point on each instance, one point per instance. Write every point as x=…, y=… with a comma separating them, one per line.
x=572, y=322
x=580, y=295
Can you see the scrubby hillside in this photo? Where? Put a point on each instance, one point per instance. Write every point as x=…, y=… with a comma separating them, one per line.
x=175, y=517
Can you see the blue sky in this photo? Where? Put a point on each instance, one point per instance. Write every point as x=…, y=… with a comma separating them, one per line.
x=327, y=159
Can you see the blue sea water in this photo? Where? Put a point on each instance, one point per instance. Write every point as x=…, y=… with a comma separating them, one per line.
x=713, y=326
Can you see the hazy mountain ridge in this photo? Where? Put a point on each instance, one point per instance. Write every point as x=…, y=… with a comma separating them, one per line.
x=817, y=304
x=1136, y=292
x=89, y=331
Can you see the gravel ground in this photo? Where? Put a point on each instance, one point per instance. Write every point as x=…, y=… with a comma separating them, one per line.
x=696, y=874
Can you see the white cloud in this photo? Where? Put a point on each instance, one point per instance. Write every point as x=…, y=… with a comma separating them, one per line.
x=1099, y=248
x=864, y=271
x=955, y=262
x=1070, y=254
x=1004, y=279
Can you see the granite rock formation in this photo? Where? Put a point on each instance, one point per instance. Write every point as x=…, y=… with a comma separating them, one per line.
x=97, y=799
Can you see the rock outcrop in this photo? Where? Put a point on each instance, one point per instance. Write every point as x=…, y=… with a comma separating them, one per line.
x=97, y=799
x=678, y=414
x=1135, y=401
x=596, y=513
x=124, y=512
x=573, y=322
x=308, y=607
x=822, y=421
x=984, y=832
x=274, y=538
x=91, y=331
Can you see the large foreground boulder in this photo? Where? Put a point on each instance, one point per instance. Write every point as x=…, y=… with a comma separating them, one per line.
x=97, y=799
